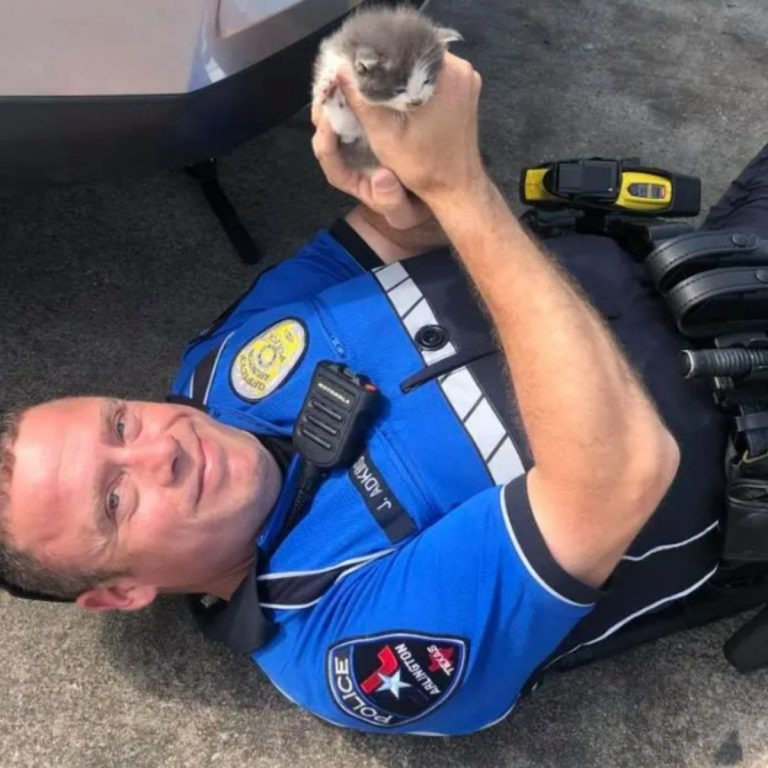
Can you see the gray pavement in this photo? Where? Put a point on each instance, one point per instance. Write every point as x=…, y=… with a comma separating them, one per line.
x=102, y=284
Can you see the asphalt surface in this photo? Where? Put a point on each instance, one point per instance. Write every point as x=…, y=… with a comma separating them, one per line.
x=101, y=284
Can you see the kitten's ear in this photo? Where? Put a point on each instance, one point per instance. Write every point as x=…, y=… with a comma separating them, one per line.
x=366, y=59
x=446, y=36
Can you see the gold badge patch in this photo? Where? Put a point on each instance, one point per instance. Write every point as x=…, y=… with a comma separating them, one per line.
x=265, y=362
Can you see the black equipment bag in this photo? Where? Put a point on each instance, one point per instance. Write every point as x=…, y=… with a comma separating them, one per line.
x=716, y=285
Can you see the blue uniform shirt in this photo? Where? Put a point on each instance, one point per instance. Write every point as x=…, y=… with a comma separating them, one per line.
x=416, y=594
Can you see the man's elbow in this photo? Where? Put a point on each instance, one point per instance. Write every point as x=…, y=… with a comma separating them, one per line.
x=652, y=469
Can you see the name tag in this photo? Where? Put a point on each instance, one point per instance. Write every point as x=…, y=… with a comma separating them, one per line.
x=380, y=500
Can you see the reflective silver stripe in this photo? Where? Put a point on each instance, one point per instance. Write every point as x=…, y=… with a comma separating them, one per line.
x=391, y=275
x=462, y=391
x=460, y=387
x=483, y=425
x=404, y=297
x=505, y=464
x=486, y=429
x=411, y=307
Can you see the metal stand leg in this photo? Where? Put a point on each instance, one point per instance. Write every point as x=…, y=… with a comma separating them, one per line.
x=207, y=173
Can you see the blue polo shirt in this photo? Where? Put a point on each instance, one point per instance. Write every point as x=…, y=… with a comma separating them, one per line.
x=416, y=594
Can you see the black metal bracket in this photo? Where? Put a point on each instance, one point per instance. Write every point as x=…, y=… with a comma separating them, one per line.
x=207, y=173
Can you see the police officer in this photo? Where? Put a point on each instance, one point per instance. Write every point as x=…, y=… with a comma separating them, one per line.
x=488, y=522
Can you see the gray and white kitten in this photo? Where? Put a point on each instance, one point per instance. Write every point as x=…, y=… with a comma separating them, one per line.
x=395, y=55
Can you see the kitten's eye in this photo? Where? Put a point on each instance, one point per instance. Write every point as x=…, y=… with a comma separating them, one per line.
x=400, y=91
x=429, y=81
x=361, y=68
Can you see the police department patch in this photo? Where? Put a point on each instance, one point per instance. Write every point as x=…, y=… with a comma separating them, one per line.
x=263, y=364
x=392, y=679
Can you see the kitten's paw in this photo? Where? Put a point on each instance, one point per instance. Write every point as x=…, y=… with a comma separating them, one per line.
x=342, y=119
x=325, y=92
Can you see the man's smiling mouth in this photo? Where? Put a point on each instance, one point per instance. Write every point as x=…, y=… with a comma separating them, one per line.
x=201, y=462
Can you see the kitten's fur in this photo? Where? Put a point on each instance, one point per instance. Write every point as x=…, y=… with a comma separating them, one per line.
x=395, y=56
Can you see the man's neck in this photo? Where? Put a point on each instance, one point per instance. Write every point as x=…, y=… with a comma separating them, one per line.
x=225, y=584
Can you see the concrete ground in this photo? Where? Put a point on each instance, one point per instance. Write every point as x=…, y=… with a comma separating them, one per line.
x=101, y=284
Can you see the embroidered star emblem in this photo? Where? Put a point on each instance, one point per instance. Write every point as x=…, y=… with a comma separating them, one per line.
x=392, y=683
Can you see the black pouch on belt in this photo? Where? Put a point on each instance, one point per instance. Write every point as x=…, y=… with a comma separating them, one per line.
x=689, y=254
x=721, y=301
x=746, y=522
x=715, y=283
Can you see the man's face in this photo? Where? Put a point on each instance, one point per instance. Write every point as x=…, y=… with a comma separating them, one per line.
x=161, y=492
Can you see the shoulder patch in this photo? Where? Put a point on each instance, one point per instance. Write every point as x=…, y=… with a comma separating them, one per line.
x=395, y=678
x=267, y=360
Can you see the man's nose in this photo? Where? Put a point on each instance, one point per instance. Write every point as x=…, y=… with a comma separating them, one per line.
x=155, y=459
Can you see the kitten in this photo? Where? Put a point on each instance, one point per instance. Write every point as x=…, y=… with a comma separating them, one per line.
x=395, y=56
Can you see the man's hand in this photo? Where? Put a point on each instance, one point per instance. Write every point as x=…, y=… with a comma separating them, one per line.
x=433, y=150
x=381, y=192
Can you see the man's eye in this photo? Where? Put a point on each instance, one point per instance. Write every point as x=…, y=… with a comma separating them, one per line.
x=113, y=503
x=120, y=426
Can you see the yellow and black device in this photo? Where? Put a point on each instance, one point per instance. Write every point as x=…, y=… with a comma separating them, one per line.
x=621, y=186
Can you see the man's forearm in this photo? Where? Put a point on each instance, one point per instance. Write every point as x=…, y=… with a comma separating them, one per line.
x=583, y=408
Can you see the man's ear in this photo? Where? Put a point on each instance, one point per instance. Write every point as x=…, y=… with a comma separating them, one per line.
x=119, y=596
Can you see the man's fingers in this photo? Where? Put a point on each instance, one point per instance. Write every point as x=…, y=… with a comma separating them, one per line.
x=387, y=191
x=390, y=198
x=317, y=113
x=324, y=142
x=349, y=89
x=326, y=149
x=371, y=117
x=456, y=75
x=325, y=145
x=477, y=87
x=453, y=67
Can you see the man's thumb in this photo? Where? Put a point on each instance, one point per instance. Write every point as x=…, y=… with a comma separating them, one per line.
x=388, y=192
x=390, y=198
x=385, y=182
x=363, y=111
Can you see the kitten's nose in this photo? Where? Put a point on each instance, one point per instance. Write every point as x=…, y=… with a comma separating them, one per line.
x=415, y=102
